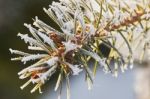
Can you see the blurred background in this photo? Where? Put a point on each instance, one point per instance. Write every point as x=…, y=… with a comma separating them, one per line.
x=13, y=13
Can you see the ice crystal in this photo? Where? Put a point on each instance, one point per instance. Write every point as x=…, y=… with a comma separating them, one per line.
x=120, y=25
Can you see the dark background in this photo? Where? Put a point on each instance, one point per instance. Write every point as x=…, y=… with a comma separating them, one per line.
x=13, y=14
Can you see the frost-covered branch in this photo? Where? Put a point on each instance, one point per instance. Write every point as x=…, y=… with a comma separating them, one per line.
x=123, y=26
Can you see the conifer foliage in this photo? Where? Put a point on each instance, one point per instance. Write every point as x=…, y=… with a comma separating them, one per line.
x=120, y=25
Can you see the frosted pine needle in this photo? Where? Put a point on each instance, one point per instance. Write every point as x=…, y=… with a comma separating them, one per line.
x=122, y=26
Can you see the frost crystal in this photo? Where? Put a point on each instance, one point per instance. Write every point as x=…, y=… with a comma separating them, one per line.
x=75, y=68
x=69, y=46
x=52, y=61
x=32, y=57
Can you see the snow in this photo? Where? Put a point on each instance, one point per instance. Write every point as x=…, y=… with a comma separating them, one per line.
x=47, y=40
x=52, y=61
x=33, y=57
x=69, y=46
x=44, y=76
x=75, y=68
x=79, y=16
x=18, y=52
x=28, y=39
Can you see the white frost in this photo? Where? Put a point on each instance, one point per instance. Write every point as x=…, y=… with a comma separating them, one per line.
x=69, y=46
x=52, y=61
x=29, y=40
x=75, y=68
x=18, y=52
x=47, y=40
x=33, y=57
x=44, y=76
